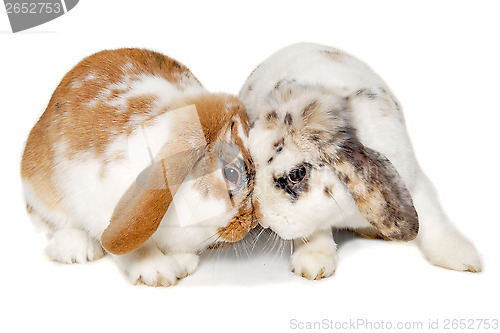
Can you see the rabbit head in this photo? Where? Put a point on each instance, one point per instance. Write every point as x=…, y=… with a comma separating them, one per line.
x=310, y=163
x=207, y=156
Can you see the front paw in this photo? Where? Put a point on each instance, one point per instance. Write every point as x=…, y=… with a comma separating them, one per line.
x=158, y=271
x=73, y=246
x=148, y=265
x=188, y=262
x=314, y=264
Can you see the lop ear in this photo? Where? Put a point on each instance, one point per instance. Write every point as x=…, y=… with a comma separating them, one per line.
x=135, y=218
x=141, y=209
x=377, y=189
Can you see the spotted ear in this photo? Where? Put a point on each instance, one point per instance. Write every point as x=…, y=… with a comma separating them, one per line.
x=377, y=189
x=141, y=209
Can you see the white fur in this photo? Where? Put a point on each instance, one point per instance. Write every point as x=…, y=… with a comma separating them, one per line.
x=41, y=212
x=91, y=190
x=379, y=125
x=191, y=208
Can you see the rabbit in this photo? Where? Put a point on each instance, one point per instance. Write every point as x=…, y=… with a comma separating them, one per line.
x=133, y=157
x=331, y=151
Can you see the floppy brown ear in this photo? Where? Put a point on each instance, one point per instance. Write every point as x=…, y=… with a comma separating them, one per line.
x=136, y=216
x=377, y=189
x=141, y=209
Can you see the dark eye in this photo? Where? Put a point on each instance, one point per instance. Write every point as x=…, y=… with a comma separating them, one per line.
x=296, y=176
x=231, y=174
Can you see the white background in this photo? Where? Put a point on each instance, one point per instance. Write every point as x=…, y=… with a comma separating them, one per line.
x=441, y=59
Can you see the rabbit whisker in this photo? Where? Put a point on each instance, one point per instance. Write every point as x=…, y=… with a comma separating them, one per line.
x=340, y=208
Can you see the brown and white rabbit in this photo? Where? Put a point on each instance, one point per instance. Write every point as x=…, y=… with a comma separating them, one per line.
x=133, y=154
x=331, y=150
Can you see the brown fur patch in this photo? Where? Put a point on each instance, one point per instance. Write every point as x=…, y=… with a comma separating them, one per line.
x=337, y=56
x=238, y=227
x=377, y=98
x=367, y=93
x=215, y=115
x=316, y=118
x=247, y=218
x=328, y=190
x=279, y=144
x=306, y=112
x=271, y=115
x=271, y=119
x=136, y=218
x=257, y=212
x=279, y=83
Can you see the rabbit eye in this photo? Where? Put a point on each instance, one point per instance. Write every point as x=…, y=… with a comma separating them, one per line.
x=296, y=176
x=232, y=175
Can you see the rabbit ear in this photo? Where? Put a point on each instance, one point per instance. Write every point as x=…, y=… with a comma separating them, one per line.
x=141, y=209
x=135, y=219
x=377, y=189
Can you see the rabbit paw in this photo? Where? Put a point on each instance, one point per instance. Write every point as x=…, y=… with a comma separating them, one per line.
x=314, y=263
x=155, y=270
x=149, y=266
x=188, y=262
x=452, y=251
x=73, y=246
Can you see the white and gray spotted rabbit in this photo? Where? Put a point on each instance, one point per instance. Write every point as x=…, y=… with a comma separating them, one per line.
x=331, y=150
x=134, y=155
